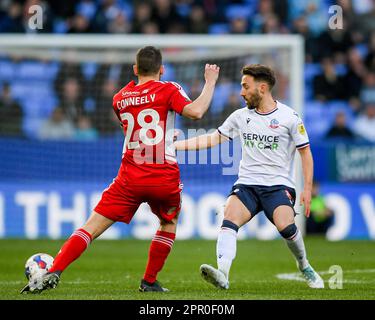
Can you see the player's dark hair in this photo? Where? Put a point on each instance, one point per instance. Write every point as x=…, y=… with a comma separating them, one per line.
x=260, y=73
x=148, y=60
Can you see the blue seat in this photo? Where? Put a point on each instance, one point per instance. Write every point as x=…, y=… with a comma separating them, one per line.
x=7, y=70
x=35, y=70
x=89, y=69
x=338, y=105
x=308, y=92
x=19, y=89
x=252, y=3
x=234, y=11
x=60, y=26
x=169, y=72
x=319, y=117
x=36, y=110
x=38, y=107
x=362, y=49
x=220, y=98
x=28, y=89
x=311, y=70
x=314, y=118
x=341, y=69
x=314, y=108
x=218, y=28
x=86, y=9
x=127, y=9
x=329, y=2
x=316, y=129
x=312, y=114
x=183, y=9
x=89, y=105
x=31, y=126
x=333, y=107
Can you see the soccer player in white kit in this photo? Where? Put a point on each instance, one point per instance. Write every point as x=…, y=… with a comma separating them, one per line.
x=270, y=133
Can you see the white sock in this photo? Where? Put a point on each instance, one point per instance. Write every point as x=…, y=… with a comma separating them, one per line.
x=226, y=249
x=297, y=247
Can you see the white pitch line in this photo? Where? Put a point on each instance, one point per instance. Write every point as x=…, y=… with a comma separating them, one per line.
x=10, y=282
x=296, y=276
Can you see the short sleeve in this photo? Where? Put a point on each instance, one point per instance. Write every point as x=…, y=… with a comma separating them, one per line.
x=230, y=128
x=178, y=98
x=298, y=132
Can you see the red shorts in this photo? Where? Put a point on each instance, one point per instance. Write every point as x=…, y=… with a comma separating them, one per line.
x=121, y=200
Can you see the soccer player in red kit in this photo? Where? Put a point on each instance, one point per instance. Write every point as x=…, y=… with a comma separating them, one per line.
x=148, y=172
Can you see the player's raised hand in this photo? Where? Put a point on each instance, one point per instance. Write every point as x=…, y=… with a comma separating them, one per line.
x=305, y=199
x=211, y=73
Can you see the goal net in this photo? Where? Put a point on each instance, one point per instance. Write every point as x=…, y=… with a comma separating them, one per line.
x=68, y=146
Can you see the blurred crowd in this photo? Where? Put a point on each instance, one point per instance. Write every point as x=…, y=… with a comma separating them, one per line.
x=339, y=65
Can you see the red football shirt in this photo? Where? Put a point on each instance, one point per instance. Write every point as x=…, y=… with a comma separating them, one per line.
x=147, y=113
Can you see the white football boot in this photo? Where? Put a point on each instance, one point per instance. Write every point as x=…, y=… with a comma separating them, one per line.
x=39, y=284
x=214, y=276
x=312, y=278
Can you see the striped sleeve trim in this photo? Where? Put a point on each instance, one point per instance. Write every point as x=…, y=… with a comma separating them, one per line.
x=303, y=145
x=224, y=135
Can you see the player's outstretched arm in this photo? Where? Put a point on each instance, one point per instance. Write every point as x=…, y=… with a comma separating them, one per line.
x=308, y=169
x=204, y=141
x=199, y=106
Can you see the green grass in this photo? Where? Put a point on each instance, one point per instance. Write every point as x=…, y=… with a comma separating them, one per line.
x=113, y=269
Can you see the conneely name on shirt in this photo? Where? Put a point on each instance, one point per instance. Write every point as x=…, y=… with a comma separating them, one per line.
x=135, y=101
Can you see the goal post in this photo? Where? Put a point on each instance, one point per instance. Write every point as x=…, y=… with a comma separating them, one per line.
x=184, y=56
x=14, y=43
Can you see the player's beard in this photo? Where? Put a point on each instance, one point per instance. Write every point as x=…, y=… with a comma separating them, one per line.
x=254, y=100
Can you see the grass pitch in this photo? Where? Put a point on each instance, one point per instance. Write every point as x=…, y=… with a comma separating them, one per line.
x=262, y=270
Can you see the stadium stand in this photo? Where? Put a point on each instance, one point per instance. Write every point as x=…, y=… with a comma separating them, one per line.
x=351, y=52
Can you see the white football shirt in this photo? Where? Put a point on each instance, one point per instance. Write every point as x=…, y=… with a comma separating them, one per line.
x=269, y=141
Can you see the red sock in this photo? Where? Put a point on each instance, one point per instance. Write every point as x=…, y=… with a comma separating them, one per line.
x=160, y=247
x=71, y=250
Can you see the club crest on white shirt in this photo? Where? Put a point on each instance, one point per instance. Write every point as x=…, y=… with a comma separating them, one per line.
x=274, y=124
